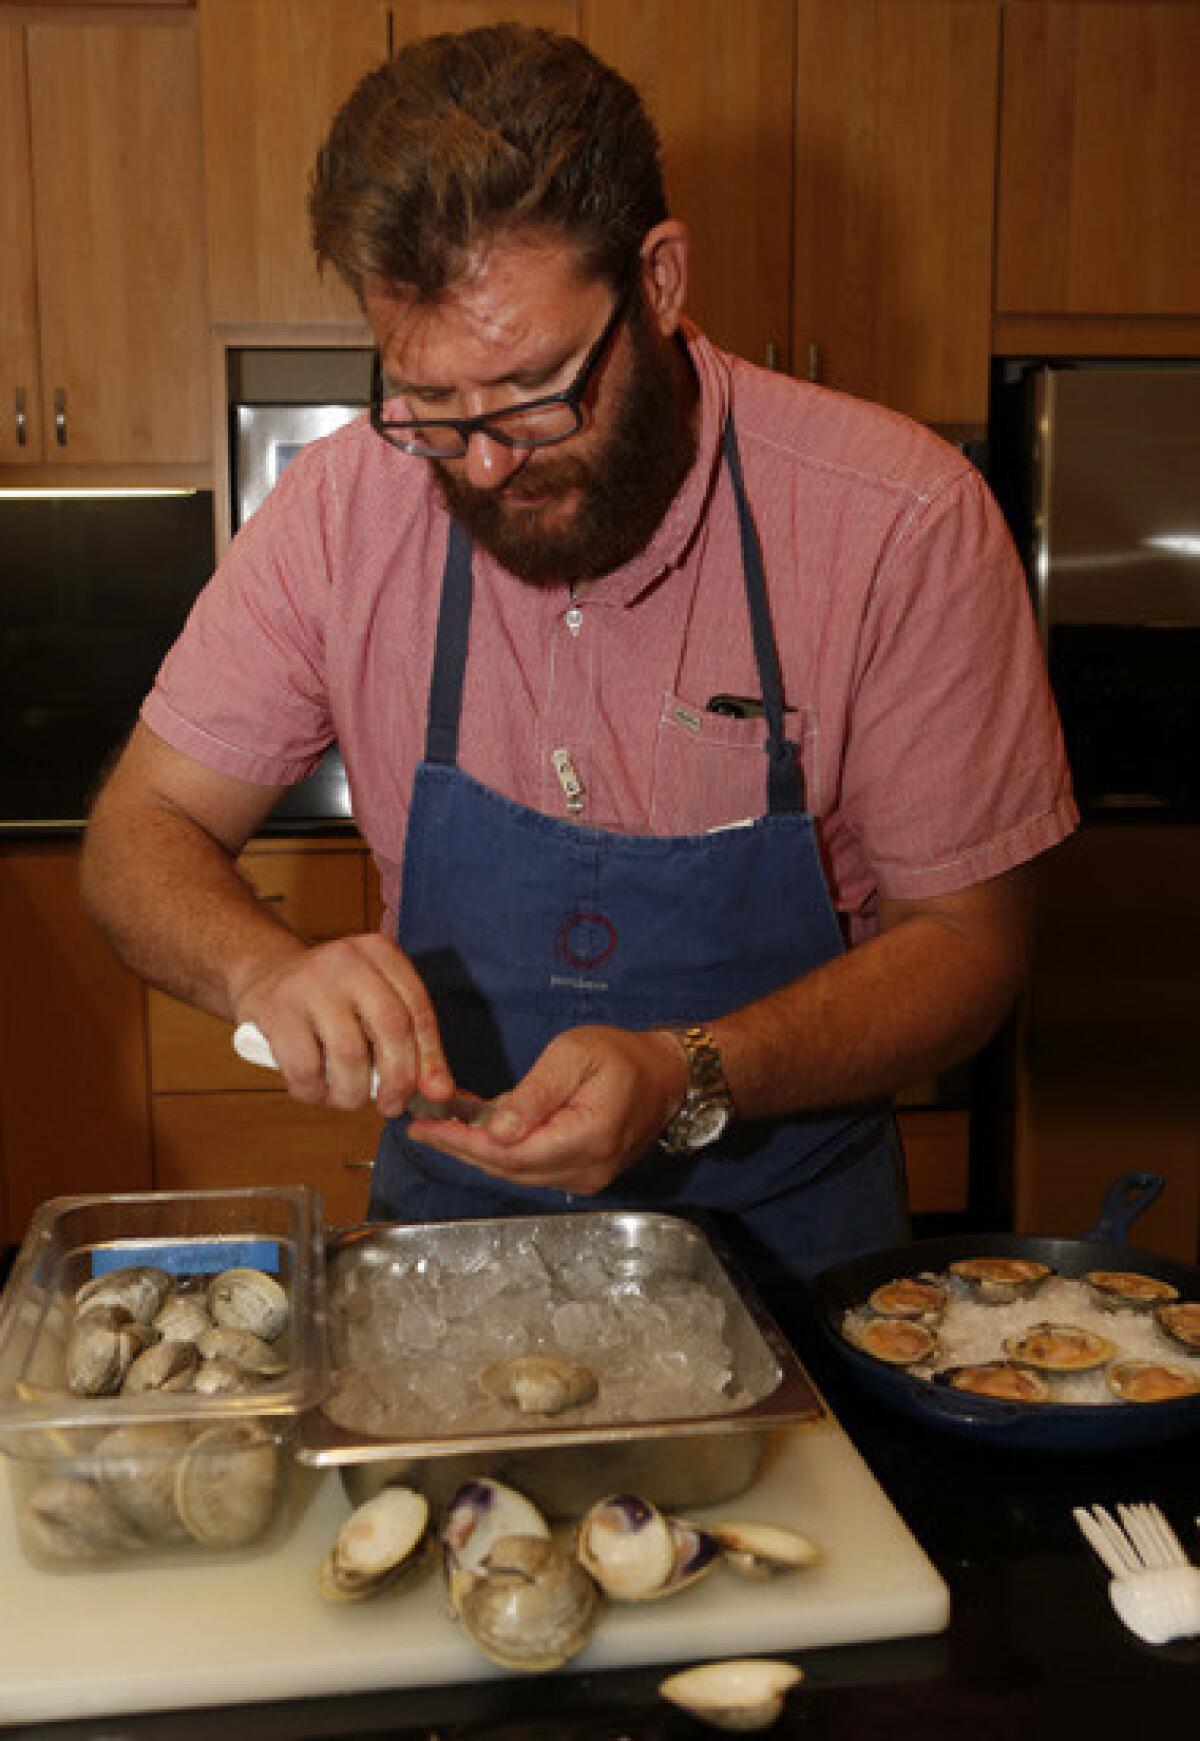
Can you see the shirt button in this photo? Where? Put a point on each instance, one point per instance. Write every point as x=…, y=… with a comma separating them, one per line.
x=574, y=619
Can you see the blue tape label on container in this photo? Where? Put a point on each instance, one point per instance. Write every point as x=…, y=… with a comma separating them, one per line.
x=189, y=1257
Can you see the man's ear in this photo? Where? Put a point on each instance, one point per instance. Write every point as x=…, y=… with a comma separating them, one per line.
x=664, y=257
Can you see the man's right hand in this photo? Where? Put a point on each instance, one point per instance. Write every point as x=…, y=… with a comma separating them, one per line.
x=337, y=1011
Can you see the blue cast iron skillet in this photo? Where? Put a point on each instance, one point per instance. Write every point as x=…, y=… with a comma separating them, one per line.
x=1047, y=1426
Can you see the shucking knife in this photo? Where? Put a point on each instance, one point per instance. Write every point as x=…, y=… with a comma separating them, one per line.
x=250, y=1043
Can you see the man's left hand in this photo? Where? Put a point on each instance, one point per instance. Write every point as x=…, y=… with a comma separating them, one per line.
x=594, y=1102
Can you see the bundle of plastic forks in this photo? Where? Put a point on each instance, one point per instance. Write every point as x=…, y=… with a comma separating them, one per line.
x=1155, y=1590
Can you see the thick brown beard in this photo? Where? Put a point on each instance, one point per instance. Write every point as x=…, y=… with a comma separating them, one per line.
x=623, y=491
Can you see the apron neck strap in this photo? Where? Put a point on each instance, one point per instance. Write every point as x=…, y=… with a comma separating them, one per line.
x=785, y=787
x=450, y=651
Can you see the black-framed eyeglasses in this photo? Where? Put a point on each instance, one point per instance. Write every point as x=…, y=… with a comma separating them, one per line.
x=535, y=423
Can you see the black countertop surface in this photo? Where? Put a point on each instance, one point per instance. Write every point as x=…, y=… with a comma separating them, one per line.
x=1033, y=1651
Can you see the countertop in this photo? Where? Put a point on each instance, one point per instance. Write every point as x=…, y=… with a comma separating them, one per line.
x=1033, y=1650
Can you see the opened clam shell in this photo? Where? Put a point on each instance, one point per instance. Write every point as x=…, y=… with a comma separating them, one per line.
x=760, y=1550
x=379, y=1542
x=1181, y=1322
x=478, y=1515
x=739, y=1694
x=1143, y=1381
x=1000, y=1280
x=1003, y=1379
x=638, y=1554
x=909, y=1297
x=1111, y=1289
x=896, y=1341
x=1059, y=1348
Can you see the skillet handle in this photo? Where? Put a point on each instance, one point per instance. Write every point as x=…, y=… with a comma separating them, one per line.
x=991, y=1414
x=1127, y=1197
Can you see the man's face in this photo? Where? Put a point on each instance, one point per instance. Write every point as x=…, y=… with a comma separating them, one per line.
x=519, y=328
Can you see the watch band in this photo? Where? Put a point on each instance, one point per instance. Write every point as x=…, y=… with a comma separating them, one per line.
x=707, y=1105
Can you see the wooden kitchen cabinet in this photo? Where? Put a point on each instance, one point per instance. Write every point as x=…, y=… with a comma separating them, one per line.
x=73, y=1110
x=895, y=164
x=272, y=74
x=102, y=314
x=1099, y=162
x=717, y=80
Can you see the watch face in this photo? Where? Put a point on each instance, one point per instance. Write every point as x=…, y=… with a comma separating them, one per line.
x=706, y=1124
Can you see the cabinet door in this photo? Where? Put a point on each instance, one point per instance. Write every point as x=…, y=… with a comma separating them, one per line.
x=74, y=1114
x=211, y=1142
x=717, y=80
x=1099, y=160
x=20, y=424
x=116, y=163
x=273, y=73
x=895, y=159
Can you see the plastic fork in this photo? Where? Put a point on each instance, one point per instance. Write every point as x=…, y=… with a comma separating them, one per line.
x=1155, y=1590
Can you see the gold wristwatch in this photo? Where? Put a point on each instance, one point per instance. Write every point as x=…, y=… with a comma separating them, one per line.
x=708, y=1105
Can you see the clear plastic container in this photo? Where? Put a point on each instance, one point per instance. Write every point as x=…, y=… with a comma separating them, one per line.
x=101, y=1474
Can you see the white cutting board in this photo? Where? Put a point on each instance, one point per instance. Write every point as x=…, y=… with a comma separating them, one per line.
x=90, y=1644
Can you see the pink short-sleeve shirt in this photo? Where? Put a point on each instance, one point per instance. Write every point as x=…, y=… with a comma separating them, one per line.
x=930, y=748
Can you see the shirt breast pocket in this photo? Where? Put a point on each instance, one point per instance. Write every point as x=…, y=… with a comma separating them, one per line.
x=709, y=770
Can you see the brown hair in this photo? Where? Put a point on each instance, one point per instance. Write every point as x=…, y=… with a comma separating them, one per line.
x=462, y=137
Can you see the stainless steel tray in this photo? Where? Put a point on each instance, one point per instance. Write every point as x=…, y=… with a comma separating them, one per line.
x=636, y=1247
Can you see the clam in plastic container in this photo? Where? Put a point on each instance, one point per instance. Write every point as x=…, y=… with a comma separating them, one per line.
x=156, y=1351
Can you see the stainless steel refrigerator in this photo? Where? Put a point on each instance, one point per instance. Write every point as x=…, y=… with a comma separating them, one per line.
x=1109, y=1035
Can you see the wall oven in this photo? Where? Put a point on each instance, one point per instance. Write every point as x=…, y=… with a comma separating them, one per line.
x=282, y=398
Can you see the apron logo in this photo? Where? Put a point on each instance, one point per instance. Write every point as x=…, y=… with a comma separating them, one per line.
x=585, y=941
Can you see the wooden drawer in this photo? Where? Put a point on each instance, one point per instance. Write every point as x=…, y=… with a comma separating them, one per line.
x=318, y=893
x=937, y=1152
x=205, y=1142
x=192, y=1053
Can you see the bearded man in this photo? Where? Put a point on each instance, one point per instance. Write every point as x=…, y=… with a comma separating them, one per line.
x=695, y=716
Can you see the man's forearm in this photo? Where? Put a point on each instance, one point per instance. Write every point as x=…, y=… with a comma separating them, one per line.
x=173, y=905
x=922, y=995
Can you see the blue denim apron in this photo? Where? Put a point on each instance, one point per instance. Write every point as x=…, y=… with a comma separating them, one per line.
x=523, y=925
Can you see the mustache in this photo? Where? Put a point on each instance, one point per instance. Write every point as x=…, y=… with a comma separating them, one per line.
x=552, y=477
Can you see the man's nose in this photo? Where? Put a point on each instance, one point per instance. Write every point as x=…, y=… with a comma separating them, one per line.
x=489, y=463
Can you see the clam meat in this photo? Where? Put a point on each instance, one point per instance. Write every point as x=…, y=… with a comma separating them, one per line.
x=909, y=1297
x=1059, y=1348
x=538, y=1384
x=759, y=1550
x=1181, y=1322
x=996, y=1378
x=1150, y=1381
x=1000, y=1280
x=530, y=1606
x=896, y=1341
x=739, y=1694
x=380, y=1540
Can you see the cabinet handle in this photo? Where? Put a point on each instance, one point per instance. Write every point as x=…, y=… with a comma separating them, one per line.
x=19, y=409
x=771, y=355
x=814, y=362
x=60, y=417
x=359, y=1166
